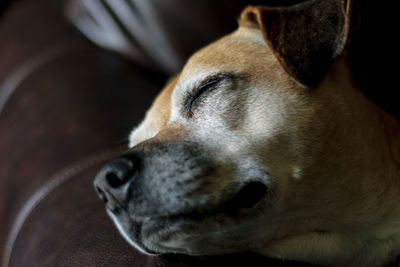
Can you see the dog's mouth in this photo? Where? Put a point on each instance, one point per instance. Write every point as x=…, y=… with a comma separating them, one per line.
x=246, y=198
x=161, y=234
x=244, y=205
x=241, y=202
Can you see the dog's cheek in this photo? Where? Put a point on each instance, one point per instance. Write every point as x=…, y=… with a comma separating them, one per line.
x=276, y=130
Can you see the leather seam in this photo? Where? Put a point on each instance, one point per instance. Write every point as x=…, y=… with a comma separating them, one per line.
x=55, y=181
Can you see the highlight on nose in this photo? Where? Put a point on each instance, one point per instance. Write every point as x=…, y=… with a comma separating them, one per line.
x=113, y=176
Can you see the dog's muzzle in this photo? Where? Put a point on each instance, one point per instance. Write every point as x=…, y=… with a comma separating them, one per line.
x=160, y=187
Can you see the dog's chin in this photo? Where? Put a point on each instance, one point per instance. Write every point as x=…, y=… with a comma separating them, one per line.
x=213, y=235
x=216, y=234
x=226, y=229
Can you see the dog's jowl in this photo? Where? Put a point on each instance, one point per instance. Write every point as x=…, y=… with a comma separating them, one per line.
x=262, y=143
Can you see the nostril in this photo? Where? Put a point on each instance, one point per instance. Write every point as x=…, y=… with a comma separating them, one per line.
x=101, y=194
x=115, y=179
x=118, y=172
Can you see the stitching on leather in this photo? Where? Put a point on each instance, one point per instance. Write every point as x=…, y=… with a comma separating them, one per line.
x=26, y=69
x=55, y=181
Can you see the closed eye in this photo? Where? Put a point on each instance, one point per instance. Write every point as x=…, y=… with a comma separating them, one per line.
x=208, y=85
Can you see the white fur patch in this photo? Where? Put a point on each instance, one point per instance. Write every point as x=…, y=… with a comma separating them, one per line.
x=144, y=131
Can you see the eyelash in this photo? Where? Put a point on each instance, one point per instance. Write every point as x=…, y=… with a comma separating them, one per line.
x=202, y=90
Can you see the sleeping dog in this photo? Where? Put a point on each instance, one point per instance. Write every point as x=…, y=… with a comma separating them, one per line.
x=263, y=143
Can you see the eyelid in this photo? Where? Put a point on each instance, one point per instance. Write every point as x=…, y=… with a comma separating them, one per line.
x=205, y=86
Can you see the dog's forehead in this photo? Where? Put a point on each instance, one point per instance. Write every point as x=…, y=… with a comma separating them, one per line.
x=245, y=50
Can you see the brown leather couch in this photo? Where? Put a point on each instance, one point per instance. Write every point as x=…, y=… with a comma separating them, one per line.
x=66, y=107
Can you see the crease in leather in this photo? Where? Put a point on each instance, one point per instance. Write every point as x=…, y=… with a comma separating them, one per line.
x=26, y=69
x=55, y=182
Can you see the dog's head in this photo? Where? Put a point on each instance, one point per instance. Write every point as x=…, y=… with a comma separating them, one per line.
x=249, y=147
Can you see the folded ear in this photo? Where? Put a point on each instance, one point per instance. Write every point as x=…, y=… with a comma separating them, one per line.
x=306, y=38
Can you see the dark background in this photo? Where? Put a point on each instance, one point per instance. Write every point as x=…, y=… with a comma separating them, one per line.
x=373, y=56
x=373, y=53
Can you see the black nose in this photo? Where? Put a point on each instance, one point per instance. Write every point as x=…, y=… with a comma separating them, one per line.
x=109, y=182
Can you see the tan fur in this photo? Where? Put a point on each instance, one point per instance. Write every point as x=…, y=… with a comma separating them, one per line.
x=334, y=156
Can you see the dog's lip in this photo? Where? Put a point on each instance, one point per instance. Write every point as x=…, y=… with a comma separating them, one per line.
x=228, y=211
x=243, y=200
x=133, y=233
